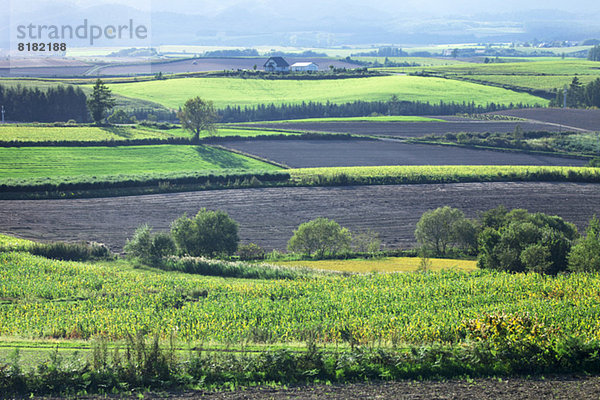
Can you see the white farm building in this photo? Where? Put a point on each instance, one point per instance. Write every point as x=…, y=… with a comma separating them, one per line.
x=304, y=66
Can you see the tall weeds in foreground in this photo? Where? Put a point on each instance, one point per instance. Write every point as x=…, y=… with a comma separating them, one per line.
x=144, y=363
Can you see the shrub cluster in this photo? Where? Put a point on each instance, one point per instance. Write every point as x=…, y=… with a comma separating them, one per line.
x=80, y=251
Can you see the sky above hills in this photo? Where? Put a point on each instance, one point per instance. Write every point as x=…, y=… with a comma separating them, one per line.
x=325, y=22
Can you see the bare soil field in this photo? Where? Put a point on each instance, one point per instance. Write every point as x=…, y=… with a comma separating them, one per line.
x=413, y=129
x=213, y=64
x=268, y=216
x=48, y=72
x=582, y=119
x=347, y=153
x=556, y=388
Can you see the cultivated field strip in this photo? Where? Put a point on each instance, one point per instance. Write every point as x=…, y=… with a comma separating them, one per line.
x=350, y=153
x=268, y=216
x=582, y=119
x=412, y=129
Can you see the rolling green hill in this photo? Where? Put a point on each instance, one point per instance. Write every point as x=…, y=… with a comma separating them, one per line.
x=48, y=162
x=247, y=92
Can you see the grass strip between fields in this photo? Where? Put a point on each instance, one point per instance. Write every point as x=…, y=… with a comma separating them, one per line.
x=166, y=182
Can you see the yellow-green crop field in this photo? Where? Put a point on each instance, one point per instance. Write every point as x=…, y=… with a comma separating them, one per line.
x=443, y=173
x=41, y=298
x=173, y=93
x=386, y=264
x=31, y=133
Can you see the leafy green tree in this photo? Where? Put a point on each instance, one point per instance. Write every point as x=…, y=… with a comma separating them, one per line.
x=366, y=241
x=319, y=237
x=585, y=254
x=209, y=233
x=250, y=251
x=100, y=101
x=518, y=241
x=198, y=115
x=150, y=248
x=436, y=229
x=465, y=235
x=121, y=117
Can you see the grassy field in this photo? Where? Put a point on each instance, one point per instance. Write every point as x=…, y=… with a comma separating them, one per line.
x=48, y=162
x=542, y=82
x=544, y=75
x=387, y=264
x=247, y=92
x=31, y=133
x=51, y=299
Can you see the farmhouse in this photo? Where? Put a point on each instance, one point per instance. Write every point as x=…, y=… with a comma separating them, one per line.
x=276, y=64
x=304, y=66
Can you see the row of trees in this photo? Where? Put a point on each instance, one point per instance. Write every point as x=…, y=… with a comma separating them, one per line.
x=215, y=234
x=61, y=103
x=579, y=95
x=516, y=241
x=394, y=106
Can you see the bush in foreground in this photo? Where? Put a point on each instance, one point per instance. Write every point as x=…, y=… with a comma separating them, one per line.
x=146, y=364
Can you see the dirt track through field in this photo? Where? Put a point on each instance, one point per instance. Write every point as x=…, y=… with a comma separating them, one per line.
x=268, y=216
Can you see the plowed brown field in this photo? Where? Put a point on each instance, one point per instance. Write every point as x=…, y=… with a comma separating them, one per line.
x=268, y=216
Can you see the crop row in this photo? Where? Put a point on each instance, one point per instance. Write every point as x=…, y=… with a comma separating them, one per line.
x=46, y=298
x=387, y=175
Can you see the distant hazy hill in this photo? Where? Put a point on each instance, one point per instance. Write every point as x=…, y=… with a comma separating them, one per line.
x=249, y=23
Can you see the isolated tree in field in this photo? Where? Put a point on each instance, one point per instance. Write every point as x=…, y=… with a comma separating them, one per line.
x=585, y=255
x=436, y=229
x=100, y=101
x=198, y=115
x=319, y=237
x=209, y=233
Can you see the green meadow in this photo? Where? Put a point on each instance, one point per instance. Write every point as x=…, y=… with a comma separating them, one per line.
x=541, y=82
x=546, y=75
x=250, y=92
x=48, y=162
